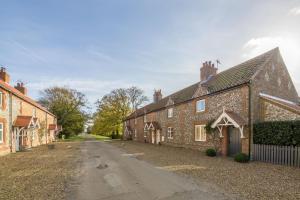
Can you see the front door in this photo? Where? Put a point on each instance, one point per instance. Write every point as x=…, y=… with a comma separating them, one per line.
x=157, y=137
x=153, y=137
x=234, y=141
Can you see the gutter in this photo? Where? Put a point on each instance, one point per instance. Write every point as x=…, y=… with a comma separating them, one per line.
x=250, y=120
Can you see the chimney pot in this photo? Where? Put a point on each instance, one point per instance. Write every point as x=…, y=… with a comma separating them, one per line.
x=21, y=88
x=157, y=96
x=208, y=69
x=4, y=76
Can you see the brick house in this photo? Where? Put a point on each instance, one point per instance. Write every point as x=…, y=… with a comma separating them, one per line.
x=23, y=122
x=259, y=89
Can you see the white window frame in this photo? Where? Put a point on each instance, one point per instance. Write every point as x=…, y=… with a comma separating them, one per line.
x=170, y=112
x=202, y=100
x=2, y=132
x=202, y=135
x=170, y=132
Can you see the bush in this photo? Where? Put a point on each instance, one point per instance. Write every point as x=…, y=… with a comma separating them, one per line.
x=241, y=157
x=211, y=152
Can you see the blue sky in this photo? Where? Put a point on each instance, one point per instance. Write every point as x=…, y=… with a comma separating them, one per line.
x=95, y=46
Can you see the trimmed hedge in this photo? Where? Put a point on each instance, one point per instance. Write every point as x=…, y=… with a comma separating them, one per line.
x=241, y=157
x=211, y=152
x=284, y=133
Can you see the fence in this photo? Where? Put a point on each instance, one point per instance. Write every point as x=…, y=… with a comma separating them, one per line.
x=282, y=155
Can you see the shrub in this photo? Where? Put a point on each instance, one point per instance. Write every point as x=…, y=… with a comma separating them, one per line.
x=241, y=157
x=284, y=133
x=211, y=152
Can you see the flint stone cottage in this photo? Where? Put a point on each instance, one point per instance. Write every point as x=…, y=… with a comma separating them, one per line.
x=259, y=89
x=23, y=122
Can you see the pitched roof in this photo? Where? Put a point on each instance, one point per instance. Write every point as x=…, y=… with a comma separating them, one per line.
x=292, y=106
x=25, y=121
x=234, y=76
x=22, y=96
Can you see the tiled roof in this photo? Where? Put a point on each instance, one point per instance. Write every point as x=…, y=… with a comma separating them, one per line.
x=22, y=96
x=24, y=121
x=236, y=117
x=235, y=76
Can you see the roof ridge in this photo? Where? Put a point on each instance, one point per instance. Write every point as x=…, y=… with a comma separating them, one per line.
x=251, y=59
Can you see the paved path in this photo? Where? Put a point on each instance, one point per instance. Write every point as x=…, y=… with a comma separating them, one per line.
x=108, y=173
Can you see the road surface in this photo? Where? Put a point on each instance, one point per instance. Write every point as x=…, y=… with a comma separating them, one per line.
x=108, y=173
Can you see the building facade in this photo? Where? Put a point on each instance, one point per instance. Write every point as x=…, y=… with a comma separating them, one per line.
x=23, y=122
x=231, y=101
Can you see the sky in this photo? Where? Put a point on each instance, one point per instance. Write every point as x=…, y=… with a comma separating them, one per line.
x=95, y=46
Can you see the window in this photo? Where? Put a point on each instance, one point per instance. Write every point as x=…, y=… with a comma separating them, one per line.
x=135, y=135
x=170, y=112
x=200, y=133
x=135, y=120
x=170, y=132
x=1, y=98
x=145, y=133
x=1, y=132
x=145, y=118
x=200, y=105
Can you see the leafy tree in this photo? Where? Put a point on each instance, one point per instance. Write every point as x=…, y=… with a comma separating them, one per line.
x=67, y=104
x=113, y=108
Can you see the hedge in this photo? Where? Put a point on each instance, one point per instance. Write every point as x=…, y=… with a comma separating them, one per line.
x=284, y=133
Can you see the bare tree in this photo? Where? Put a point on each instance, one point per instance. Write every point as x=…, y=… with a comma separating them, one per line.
x=136, y=97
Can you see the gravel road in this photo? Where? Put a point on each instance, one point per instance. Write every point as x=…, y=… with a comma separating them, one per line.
x=254, y=180
x=107, y=173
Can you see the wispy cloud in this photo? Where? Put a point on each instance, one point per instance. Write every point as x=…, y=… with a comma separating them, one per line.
x=294, y=11
x=27, y=51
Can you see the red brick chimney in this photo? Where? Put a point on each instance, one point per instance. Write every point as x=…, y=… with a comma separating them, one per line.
x=157, y=96
x=21, y=87
x=4, y=76
x=208, y=69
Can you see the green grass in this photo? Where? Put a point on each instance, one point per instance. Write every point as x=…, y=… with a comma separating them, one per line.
x=101, y=137
x=75, y=138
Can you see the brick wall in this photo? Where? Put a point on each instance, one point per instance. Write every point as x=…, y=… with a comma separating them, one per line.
x=185, y=118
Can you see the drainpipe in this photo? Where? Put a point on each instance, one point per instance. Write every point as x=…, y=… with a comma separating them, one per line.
x=10, y=122
x=46, y=131
x=250, y=120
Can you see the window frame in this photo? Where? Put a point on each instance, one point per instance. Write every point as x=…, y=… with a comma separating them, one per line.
x=200, y=138
x=170, y=114
x=199, y=101
x=2, y=132
x=170, y=132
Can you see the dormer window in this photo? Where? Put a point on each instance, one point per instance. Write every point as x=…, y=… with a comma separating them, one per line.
x=200, y=105
x=170, y=112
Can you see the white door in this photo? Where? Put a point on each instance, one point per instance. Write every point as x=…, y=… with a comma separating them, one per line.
x=157, y=136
